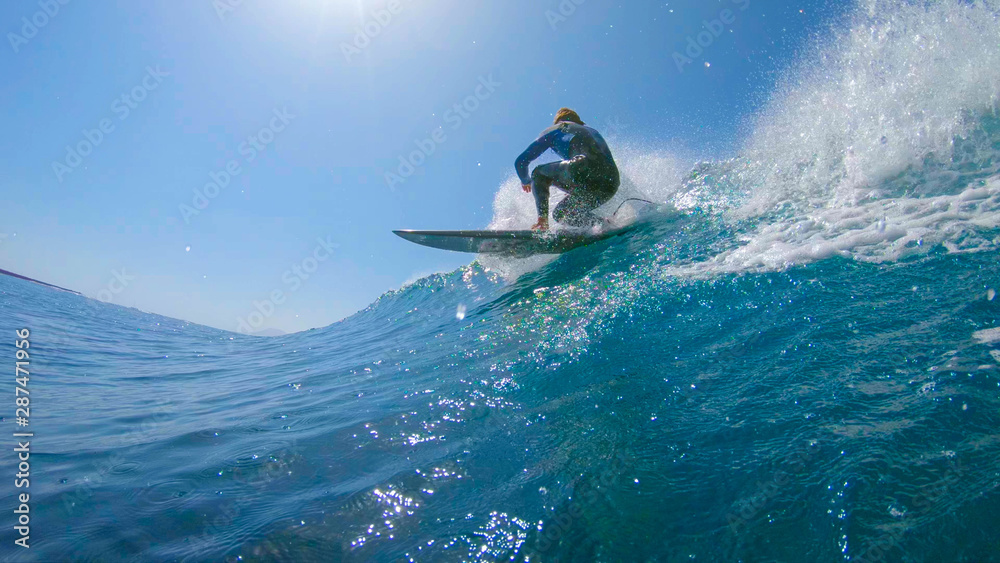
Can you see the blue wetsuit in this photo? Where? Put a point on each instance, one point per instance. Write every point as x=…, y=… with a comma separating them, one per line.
x=588, y=173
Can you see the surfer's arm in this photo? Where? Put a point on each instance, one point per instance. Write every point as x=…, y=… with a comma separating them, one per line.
x=534, y=151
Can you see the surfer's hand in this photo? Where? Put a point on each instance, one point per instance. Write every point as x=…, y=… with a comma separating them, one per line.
x=526, y=188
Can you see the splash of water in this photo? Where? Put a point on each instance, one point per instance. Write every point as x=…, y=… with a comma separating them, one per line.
x=880, y=144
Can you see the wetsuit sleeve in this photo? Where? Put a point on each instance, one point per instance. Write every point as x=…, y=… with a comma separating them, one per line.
x=534, y=151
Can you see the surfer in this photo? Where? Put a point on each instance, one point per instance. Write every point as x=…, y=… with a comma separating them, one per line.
x=587, y=173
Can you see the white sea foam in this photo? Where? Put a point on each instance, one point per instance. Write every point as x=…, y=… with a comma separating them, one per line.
x=988, y=336
x=879, y=108
x=877, y=231
x=893, y=91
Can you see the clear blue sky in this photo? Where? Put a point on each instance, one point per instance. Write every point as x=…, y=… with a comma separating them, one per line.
x=349, y=115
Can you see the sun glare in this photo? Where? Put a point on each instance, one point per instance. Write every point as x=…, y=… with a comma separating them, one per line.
x=335, y=8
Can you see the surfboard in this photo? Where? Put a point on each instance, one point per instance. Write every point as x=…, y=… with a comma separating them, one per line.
x=512, y=243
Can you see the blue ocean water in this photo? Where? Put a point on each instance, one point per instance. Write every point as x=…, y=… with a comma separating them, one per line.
x=795, y=357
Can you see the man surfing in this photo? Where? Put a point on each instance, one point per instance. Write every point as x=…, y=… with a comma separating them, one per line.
x=587, y=172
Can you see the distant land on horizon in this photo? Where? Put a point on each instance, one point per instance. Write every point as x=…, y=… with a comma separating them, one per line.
x=269, y=332
x=26, y=278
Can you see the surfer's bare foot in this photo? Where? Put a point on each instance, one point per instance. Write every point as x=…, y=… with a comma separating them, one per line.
x=541, y=225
